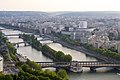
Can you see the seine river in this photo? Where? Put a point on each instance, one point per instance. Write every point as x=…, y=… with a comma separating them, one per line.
x=35, y=55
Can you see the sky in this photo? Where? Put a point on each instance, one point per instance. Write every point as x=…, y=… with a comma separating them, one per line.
x=59, y=5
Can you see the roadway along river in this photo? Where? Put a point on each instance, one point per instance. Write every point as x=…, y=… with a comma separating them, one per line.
x=35, y=55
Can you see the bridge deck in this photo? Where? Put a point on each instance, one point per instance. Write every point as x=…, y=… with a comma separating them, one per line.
x=78, y=64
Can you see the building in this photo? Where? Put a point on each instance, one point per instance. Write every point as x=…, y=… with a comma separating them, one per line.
x=118, y=47
x=1, y=64
x=83, y=36
x=82, y=24
x=46, y=30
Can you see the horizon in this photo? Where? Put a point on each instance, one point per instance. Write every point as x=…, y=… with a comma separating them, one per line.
x=59, y=5
x=52, y=11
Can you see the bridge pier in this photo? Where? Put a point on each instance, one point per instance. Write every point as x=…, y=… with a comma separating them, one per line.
x=25, y=44
x=17, y=45
x=93, y=69
x=19, y=36
x=117, y=69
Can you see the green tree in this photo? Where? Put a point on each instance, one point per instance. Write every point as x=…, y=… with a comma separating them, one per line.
x=63, y=74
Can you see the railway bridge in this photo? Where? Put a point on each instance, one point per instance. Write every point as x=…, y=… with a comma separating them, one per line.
x=78, y=65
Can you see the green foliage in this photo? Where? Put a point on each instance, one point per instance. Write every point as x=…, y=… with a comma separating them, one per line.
x=33, y=65
x=67, y=39
x=63, y=74
x=5, y=56
x=5, y=77
x=2, y=37
x=32, y=40
x=59, y=56
x=106, y=52
x=27, y=72
x=12, y=51
x=113, y=49
x=46, y=50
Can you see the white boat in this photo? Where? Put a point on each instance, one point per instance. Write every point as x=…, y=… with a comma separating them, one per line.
x=118, y=74
x=76, y=69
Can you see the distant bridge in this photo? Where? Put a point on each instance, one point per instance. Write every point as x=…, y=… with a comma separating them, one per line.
x=2, y=29
x=17, y=34
x=27, y=42
x=13, y=35
x=44, y=39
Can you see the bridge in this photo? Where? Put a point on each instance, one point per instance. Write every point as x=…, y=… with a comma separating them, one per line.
x=12, y=35
x=79, y=64
x=44, y=39
x=2, y=29
x=18, y=34
x=25, y=43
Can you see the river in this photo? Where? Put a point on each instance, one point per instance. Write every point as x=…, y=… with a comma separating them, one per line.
x=35, y=55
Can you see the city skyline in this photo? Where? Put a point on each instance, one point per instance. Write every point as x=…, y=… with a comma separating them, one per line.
x=59, y=5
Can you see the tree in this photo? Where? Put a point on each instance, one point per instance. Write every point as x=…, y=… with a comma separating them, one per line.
x=34, y=65
x=68, y=58
x=59, y=55
x=33, y=78
x=63, y=74
x=8, y=77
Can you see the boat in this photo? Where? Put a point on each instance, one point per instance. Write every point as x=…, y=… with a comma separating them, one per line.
x=76, y=69
x=118, y=74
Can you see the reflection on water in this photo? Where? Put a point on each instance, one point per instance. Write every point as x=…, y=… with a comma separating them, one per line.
x=94, y=76
x=32, y=54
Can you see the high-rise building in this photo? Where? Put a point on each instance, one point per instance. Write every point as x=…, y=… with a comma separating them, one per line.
x=83, y=24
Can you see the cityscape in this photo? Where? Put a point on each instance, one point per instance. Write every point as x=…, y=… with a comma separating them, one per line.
x=59, y=44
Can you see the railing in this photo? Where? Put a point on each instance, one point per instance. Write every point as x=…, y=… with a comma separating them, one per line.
x=79, y=64
x=91, y=64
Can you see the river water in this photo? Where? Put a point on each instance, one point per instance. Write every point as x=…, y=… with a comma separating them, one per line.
x=35, y=55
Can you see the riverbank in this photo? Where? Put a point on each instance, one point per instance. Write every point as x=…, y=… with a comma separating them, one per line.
x=82, y=49
x=46, y=50
x=110, y=54
x=88, y=52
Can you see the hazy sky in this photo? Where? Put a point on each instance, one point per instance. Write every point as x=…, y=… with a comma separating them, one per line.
x=60, y=5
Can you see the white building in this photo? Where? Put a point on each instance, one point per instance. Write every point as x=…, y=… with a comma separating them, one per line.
x=1, y=64
x=83, y=24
